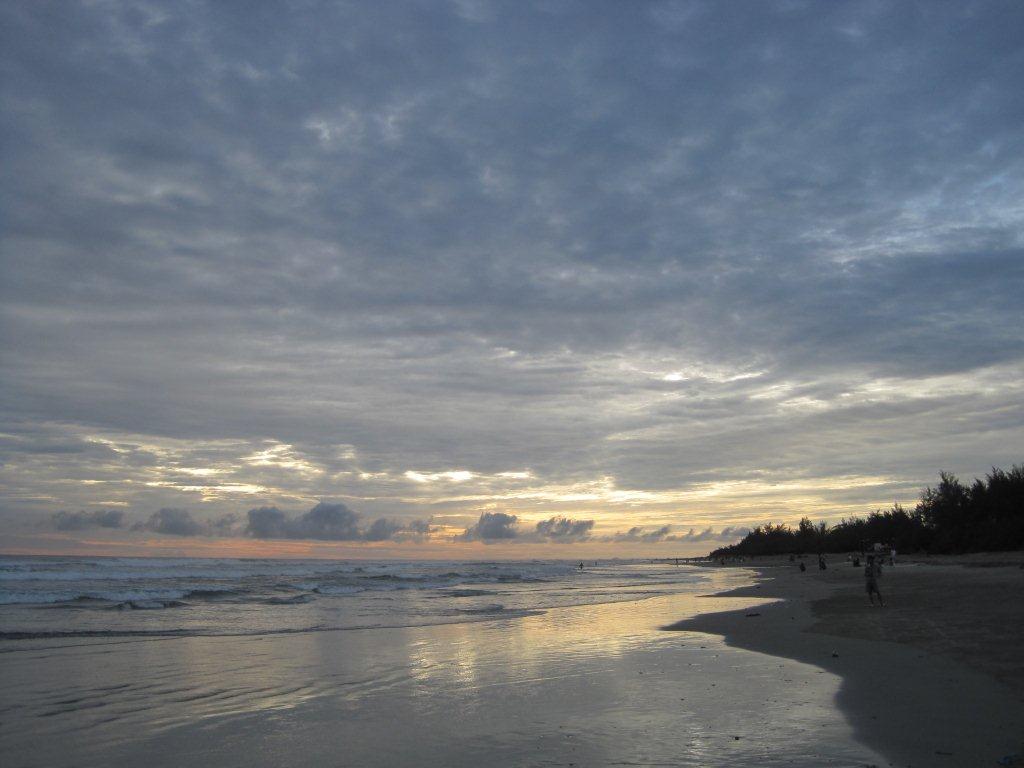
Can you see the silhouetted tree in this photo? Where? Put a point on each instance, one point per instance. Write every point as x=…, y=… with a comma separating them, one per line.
x=988, y=515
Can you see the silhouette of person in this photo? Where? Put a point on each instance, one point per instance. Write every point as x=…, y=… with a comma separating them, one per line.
x=872, y=572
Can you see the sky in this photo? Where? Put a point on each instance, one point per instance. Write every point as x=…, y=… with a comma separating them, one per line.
x=500, y=279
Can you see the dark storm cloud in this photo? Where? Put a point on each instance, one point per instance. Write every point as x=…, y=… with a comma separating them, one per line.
x=393, y=226
x=79, y=521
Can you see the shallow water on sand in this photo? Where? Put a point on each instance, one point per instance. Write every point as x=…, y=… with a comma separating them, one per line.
x=587, y=684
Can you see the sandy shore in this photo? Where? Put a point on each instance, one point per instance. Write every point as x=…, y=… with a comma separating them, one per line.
x=593, y=684
x=936, y=678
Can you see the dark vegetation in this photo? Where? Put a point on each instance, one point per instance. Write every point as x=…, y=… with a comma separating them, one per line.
x=985, y=516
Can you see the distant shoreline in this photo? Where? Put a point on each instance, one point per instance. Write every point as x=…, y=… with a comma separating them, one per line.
x=935, y=678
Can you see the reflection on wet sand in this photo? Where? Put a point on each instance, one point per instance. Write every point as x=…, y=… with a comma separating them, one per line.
x=590, y=684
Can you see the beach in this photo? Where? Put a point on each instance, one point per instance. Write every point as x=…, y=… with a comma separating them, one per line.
x=498, y=664
x=275, y=663
x=934, y=678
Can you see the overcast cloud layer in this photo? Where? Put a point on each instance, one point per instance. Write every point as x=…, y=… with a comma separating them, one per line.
x=641, y=264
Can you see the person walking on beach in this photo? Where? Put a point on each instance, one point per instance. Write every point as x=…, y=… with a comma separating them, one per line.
x=872, y=572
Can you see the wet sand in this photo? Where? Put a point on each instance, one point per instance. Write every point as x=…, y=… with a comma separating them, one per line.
x=936, y=678
x=591, y=685
x=805, y=673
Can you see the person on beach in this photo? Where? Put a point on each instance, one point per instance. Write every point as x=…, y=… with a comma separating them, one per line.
x=872, y=572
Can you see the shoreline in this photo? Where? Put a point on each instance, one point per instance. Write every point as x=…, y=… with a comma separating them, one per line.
x=594, y=684
x=584, y=684
x=934, y=679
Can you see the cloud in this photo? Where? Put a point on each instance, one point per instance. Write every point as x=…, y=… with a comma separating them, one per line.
x=180, y=522
x=564, y=529
x=225, y=525
x=501, y=526
x=267, y=523
x=683, y=247
x=174, y=522
x=385, y=529
x=638, y=533
x=728, y=534
x=325, y=522
x=733, y=533
x=492, y=526
x=330, y=522
x=382, y=529
x=79, y=521
x=413, y=530
x=664, y=533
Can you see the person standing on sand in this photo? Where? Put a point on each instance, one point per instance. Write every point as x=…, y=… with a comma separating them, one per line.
x=872, y=572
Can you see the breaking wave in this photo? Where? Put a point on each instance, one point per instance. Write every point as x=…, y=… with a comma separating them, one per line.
x=125, y=597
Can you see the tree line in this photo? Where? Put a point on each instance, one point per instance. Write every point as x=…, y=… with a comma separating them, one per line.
x=985, y=516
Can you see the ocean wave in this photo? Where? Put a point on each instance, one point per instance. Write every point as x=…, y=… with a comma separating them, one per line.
x=340, y=589
x=212, y=593
x=266, y=596
x=102, y=598
x=482, y=610
x=465, y=593
x=505, y=578
x=115, y=569
x=148, y=605
x=291, y=600
x=87, y=599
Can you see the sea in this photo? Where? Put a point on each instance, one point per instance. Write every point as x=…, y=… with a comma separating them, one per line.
x=261, y=662
x=135, y=597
